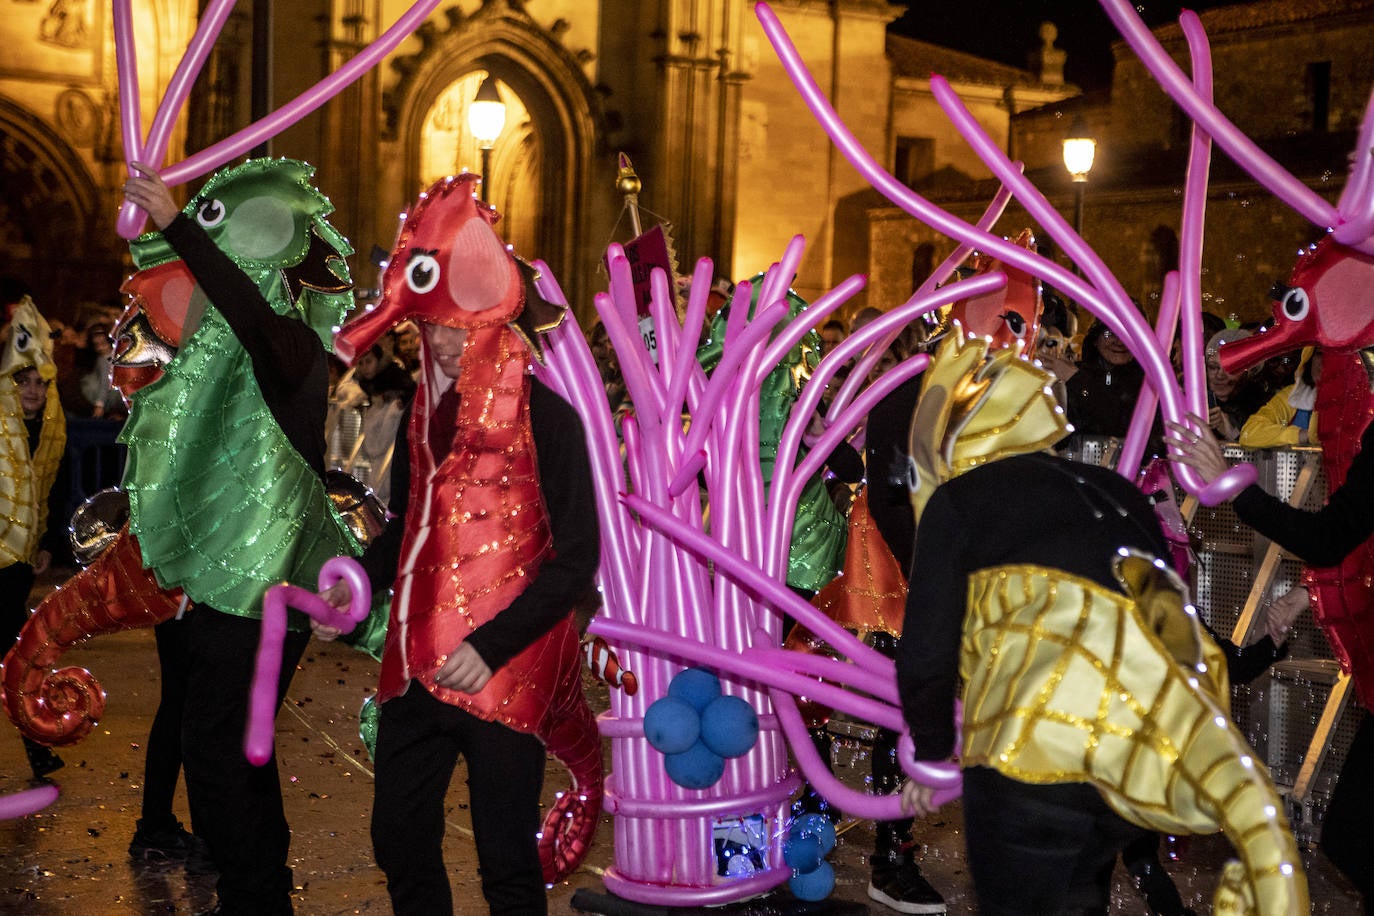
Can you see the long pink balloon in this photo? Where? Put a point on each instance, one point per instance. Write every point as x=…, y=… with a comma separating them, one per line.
x=1239, y=147
x=1106, y=298
x=131, y=220
x=22, y=804
x=1189, y=300
x=262, y=701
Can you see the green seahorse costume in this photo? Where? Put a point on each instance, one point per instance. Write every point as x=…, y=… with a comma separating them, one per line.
x=223, y=506
x=820, y=529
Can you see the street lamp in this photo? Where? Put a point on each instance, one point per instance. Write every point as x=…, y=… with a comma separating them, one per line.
x=1079, y=150
x=486, y=119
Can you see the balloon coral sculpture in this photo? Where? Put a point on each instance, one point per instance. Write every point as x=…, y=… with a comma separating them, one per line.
x=683, y=594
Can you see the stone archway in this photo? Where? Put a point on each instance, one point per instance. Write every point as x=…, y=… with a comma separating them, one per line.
x=50, y=228
x=542, y=164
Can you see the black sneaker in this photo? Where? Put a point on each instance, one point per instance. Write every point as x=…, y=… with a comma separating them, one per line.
x=904, y=889
x=161, y=845
x=42, y=760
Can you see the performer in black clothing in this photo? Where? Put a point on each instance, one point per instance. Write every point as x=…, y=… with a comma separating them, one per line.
x=1322, y=539
x=1090, y=693
x=495, y=540
x=226, y=480
x=896, y=880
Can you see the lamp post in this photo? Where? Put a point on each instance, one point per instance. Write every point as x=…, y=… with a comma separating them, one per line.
x=1079, y=150
x=486, y=119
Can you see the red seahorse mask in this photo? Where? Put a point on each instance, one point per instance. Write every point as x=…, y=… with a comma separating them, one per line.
x=448, y=267
x=1006, y=315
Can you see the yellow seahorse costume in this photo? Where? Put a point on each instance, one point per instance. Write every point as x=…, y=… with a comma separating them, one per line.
x=1066, y=681
x=26, y=479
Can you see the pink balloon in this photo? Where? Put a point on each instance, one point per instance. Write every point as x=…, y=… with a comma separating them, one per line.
x=1190, y=266
x=212, y=21
x=262, y=701
x=130, y=221
x=126, y=67
x=1105, y=297
x=29, y=801
x=1239, y=147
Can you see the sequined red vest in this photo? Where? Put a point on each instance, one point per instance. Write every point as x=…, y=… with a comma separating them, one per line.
x=476, y=533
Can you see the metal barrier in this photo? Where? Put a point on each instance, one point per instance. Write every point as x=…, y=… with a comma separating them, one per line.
x=95, y=459
x=1297, y=717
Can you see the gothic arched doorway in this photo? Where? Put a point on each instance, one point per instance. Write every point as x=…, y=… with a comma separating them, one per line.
x=542, y=161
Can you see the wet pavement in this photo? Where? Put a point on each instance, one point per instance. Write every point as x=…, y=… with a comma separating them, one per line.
x=72, y=857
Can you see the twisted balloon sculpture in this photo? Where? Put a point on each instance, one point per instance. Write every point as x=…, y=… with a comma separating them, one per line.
x=679, y=590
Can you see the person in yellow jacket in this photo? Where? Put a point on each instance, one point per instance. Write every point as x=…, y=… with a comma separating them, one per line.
x=1290, y=416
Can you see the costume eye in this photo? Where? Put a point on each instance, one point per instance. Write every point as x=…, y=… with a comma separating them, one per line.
x=23, y=338
x=1015, y=323
x=422, y=273
x=1294, y=304
x=211, y=213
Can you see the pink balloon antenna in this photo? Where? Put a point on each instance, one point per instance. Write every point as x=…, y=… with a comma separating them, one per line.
x=152, y=151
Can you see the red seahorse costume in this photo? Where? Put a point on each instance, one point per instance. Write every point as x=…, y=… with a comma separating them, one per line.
x=477, y=530
x=1327, y=303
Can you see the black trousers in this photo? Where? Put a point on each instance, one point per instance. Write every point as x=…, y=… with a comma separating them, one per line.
x=16, y=581
x=1040, y=850
x=235, y=807
x=419, y=740
x=1349, y=823
x=162, y=760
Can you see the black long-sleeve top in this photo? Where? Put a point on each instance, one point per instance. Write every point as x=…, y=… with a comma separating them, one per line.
x=1030, y=509
x=886, y=457
x=1327, y=536
x=289, y=362
x=565, y=479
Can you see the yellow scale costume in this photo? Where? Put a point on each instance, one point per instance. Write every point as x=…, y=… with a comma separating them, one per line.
x=26, y=479
x=1065, y=681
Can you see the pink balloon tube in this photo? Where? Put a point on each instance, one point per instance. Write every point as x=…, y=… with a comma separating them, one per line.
x=262, y=701
x=29, y=801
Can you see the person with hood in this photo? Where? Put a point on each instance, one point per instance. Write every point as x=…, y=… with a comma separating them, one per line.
x=1231, y=399
x=1290, y=416
x=33, y=437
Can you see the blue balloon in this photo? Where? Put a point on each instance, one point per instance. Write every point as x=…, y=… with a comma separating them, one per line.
x=729, y=726
x=698, y=767
x=802, y=853
x=671, y=725
x=817, y=826
x=813, y=885
x=697, y=686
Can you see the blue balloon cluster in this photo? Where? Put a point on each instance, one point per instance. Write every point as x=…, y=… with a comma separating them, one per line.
x=809, y=841
x=696, y=728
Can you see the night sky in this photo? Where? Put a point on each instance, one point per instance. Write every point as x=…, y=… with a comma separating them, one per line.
x=1007, y=30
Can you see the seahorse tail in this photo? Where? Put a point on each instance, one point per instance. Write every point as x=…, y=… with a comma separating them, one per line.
x=114, y=593
x=571, y=821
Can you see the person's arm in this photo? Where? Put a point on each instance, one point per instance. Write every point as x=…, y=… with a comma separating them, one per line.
x=1321, y=538
x=281, y=346
x=570, y=568
x=928, y=652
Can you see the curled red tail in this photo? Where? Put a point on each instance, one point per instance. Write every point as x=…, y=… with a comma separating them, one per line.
x=59, y=707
